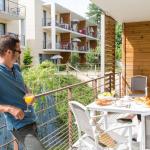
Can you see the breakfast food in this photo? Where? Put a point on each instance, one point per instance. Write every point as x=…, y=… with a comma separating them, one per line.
x=103, y=102
x=147, y=103
x=143, y=100
x=140, y=100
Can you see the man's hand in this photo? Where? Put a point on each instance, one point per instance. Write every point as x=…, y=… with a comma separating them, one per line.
x=16, y=112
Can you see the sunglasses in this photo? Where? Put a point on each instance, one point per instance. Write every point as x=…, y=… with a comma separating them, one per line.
x=18, y=51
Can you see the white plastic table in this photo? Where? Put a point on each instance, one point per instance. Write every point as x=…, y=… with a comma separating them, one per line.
x=133, y=109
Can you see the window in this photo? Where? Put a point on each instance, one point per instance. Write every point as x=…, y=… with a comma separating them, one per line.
x=2, y=29
x=44, y=17
x=2, y=5
x=44, y=40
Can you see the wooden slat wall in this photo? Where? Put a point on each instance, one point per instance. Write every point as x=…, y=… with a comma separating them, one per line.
x=83, y=41
x=66, y=17
x=66, y=57
x=81, y=25
x=65, y=37
x=93, y=44
x=110, y=47
x=136, y=50
x=82, y=58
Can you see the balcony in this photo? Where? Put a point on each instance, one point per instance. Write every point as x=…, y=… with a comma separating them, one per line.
x=57, y=129
x=12, y=11
x=47, y=45
x=46, y=22
x=71, y=46
x=65, y=27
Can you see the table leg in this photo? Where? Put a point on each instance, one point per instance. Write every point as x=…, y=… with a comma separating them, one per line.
x=93, y=124
x=142, y=144
x=105, y=120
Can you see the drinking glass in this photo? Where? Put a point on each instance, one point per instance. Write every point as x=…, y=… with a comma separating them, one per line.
x=28, y=98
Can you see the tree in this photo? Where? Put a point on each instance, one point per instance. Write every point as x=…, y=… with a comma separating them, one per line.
x=118, y=41
x=93, y=56
x=74, y=59
x=94, y=13
x=27, y=58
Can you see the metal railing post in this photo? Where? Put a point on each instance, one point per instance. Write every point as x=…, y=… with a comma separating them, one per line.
x=120, y=84
x=110, y=84
x=70, y=118
x=94, y=85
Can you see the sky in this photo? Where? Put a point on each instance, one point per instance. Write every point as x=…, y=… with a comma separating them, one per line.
x=78, y=6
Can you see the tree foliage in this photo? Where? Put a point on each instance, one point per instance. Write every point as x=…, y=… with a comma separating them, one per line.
x=94, y=13
x=43, y=78
x=27, y=58
x=74, y=59
x=118, y=43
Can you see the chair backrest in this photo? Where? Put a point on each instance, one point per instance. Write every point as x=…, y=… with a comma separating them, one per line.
x=81, y=117
x=138, y=83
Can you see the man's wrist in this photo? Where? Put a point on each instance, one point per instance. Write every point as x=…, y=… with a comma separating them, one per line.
x=9, y=109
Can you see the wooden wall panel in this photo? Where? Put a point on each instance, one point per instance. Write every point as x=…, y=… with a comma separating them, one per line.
x=82, y=25
x=66, y=57
x=137, y=50
x=110, y=46
x=66, y=17
x=82, y=59
x=93, y=44
x=65, y=37
x=83, y=41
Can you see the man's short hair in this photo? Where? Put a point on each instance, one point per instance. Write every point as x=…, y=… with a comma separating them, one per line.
x=8, y=42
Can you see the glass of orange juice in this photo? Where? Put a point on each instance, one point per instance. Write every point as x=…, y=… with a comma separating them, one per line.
x=28, y=98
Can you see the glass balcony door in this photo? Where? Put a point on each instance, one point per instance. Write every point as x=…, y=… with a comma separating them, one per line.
x=2, y=5
x=2, y=29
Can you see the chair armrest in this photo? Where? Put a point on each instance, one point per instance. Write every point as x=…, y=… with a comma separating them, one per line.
x=119, y=127
x=98, y=116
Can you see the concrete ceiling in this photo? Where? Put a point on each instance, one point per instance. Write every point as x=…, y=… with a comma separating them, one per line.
x=126, y=10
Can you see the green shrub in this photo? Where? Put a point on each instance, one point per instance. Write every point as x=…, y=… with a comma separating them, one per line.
x=42, y=78
x=27, y=58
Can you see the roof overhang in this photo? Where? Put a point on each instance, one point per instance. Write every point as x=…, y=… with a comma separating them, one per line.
x=126, y=10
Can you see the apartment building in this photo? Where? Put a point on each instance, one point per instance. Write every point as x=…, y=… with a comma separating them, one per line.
x=12, y=15
x=52, y=29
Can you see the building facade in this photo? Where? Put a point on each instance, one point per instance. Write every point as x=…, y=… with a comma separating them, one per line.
x=12, y=16
x=52, y=29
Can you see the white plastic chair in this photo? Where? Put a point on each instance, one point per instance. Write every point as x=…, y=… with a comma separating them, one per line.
x=139, y=83
x=91, y=135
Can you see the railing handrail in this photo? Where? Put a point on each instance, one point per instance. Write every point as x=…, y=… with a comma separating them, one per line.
x=72, y=86
x=48, y=139
x=16, y=3
x=69, y=65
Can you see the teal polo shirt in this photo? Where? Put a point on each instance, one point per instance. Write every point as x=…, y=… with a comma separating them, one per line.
x=12, y=91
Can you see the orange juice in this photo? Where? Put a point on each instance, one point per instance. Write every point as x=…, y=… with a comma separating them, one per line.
x=29, y=99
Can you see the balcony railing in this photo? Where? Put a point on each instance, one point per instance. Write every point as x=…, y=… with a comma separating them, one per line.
x=63, y=25
x=65, y=46
x=56, y=127
x=12, y=8
x=47, y=45
x=71, y=46
x=55, y=121
x=46, y=22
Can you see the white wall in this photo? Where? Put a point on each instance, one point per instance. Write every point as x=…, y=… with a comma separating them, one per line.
x=78, y=6
x=12, y=26
x=31, y=23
